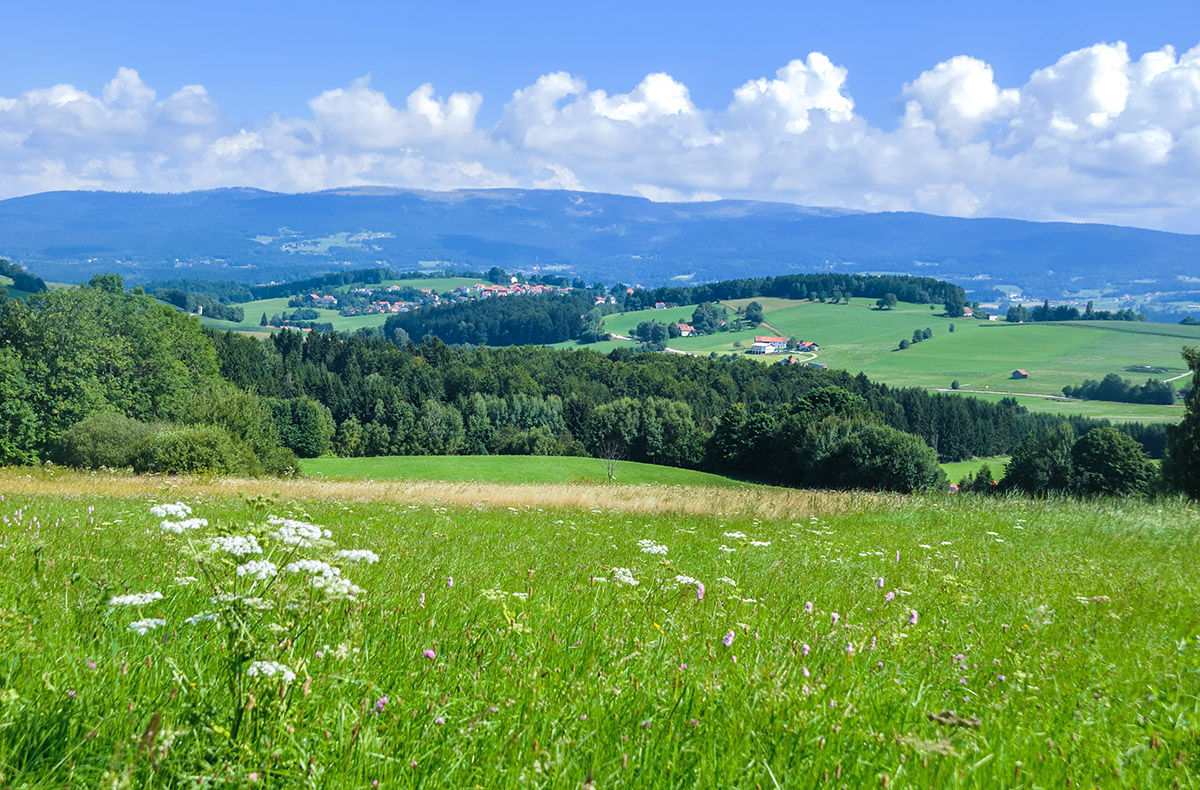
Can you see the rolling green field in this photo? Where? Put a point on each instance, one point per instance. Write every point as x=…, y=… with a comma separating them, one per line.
x=957, y=471
x=979, y=355
x=507, y=469
x=253, y=310
x=1101, y=410
x=853, y=640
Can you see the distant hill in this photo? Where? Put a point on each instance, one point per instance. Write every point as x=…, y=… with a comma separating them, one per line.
x=254, y=236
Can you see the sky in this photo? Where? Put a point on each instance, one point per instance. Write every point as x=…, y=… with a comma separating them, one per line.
x=1037, y=110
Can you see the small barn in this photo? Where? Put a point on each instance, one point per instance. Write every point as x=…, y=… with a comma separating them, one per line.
x=1019, y=374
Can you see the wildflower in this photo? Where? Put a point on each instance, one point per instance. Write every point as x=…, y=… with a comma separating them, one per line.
x=422, y=600
x=650, y=547
x=760, y=543
x=583, y=717
x=735, y=534
x=682, y=580
x=890, y=596
x=178, y=527
x=726, y=549
x=261, y=570
x=430, y=654
x=808, y=607
x=177, y=510
x=315, y=567
x=380, y=704
x=804, y=649
x=358, y=555
x=202, y=617
x=835, y=617
x=71, y=693
x=1001, y=678
x=135, y=599
x=296, y=533
x=144, y=626
x=439, y=721
x=804, y=671
x=728, y=581
x=912, y=617
x=625, y=576
x=237, y=545
x=897, y=555
x=268, y=669
x=449, y=581
x=881, y=582
x=700, y=591
x=849, y=648
x=872, y=645
x=335, y=586
x=727, y=640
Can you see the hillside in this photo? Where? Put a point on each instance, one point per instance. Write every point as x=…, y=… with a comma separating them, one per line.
x=254, y=236
x=980, y=355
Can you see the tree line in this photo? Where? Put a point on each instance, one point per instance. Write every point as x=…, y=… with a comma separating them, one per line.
x=1114, y=388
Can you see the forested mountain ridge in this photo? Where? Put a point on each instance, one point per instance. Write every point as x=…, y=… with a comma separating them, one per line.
x=255, y=237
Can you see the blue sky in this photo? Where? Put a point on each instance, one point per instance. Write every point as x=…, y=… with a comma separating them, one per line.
x=890, y=115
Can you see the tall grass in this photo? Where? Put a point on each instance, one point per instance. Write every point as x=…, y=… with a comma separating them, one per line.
x=1054, y=643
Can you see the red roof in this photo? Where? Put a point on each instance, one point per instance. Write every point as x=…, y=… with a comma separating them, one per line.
x=686, y=327
x=768, y=339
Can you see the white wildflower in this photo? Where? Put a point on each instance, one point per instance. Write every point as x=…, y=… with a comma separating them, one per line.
x=202, y=617
x=625, y=576
x=682, y=580
x=296, y=533
x=149, y=624
x=335, y=586
x=269, y=669
x=735, y=535
x=358, y=555
x=259, y=569
x=650, y=547
x=315, y=567
x=522, y=596
x=178, y=527
x=165, y=510
x=728, y=581
x=237, y=545
x=760, y=543
x=135, y=599
x=262, y=604
x=726, y=548
x=184, y=581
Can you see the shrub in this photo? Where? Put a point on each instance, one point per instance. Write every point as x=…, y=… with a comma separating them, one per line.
x=195, y=448
x=107, y=440
x=1110, y=463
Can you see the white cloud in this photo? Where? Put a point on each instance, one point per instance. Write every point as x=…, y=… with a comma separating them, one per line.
x=1099, y=134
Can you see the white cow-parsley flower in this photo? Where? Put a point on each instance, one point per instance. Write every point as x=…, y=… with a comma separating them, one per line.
x=297, y=533
x=358, y=555
x=259, y=569
x=650, y=547
x=135, y=599
x=149, y=624
x=269, y=669
x=237, y=545
x=178, y=527
x=625, y=576
x=167, y=510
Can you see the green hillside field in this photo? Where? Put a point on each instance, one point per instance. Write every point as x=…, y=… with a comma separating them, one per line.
x=507, y=469
x=559, y=636
x=980, y=355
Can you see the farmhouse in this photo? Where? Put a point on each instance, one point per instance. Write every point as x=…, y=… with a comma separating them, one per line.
x=1019, y=374
x=779, y=343
x=762, y=348
x=686, y=330
x=329, y=301
x=806, y=345
x=660, y=305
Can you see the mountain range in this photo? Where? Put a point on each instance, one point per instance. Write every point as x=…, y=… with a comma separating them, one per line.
x=254, y=236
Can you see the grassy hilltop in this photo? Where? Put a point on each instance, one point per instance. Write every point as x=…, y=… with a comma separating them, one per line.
x=993, y=643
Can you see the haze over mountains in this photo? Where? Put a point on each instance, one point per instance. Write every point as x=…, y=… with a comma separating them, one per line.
x=254, y=236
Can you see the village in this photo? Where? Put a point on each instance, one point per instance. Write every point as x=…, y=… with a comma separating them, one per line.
x=427, y=297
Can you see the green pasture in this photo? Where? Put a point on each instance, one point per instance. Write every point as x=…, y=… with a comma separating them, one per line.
x=507, y=469
x=957, y=471
x=1100, y=410
x=882, y=642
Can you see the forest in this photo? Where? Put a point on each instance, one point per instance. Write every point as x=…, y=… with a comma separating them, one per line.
x=130, y=382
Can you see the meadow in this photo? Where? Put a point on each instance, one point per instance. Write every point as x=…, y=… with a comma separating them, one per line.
x=507, y=469
x=980, y=355
x=640, y=637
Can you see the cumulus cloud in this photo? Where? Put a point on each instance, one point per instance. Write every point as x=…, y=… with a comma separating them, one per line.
x=1100, y=134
